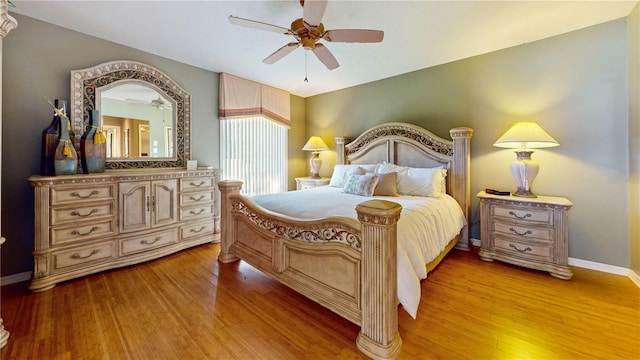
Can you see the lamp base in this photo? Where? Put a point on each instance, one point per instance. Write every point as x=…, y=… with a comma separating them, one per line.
x=524, y=193
x=524, y=170
x=315, y=164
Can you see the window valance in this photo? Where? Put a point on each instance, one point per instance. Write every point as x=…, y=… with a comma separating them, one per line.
x=242, y=98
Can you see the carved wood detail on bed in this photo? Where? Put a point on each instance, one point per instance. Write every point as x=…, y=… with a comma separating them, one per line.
x=346, y=265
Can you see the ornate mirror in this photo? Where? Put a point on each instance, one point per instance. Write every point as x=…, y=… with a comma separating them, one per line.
x=145, y=115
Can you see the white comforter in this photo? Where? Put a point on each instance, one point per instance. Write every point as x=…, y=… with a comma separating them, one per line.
x=425, y=227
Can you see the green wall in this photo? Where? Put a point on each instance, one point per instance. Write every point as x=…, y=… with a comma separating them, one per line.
x=574, y=85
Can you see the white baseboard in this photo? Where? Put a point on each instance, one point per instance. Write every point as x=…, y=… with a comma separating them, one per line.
x=617, y=270
x=15, y=278
x=635, y=277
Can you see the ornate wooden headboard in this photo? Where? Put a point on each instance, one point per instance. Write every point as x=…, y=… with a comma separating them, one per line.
x=410, y=145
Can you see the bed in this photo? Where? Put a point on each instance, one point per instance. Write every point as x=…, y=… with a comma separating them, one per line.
x=350, y=261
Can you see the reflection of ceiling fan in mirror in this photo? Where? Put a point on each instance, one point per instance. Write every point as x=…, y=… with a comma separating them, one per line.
x=308, y=30
x=158, y=103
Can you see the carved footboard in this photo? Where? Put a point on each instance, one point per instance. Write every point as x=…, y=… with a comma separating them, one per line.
x=348, y=266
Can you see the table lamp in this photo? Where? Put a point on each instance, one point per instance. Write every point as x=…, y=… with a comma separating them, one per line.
x=315, y=145
x=525, y=136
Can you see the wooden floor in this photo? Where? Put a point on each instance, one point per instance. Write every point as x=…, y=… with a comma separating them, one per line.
x=188, y=306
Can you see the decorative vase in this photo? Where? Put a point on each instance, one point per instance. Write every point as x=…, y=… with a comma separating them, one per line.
x=49, y=141
x=93, y=146
x=65, y=161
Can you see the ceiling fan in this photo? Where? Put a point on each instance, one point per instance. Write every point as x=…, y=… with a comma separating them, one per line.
x=158, y=103
x=308, y=30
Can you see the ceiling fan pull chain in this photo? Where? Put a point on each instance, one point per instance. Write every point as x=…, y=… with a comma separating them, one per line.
x=305, y=66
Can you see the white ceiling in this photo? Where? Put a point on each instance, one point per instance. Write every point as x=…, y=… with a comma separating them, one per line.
x=418, y=34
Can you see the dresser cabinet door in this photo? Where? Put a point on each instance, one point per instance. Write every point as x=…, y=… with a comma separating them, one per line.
x=135, y=206
x=164, y=209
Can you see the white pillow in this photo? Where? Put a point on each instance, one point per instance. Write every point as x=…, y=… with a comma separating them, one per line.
x=421, y=182
x=362, y=185
x=341, y=172
x=385, y=168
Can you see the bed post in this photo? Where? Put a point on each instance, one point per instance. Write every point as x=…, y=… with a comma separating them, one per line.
x=341, y=156
x=227, y=188
x=461, y=177
x=379, y=337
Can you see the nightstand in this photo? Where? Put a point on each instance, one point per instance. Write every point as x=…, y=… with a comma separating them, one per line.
x=529, y=232
x=310, y=183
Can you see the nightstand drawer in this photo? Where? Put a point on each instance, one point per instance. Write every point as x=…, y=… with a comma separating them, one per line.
x=525, y=214
x=523, y=232
x=524, y=249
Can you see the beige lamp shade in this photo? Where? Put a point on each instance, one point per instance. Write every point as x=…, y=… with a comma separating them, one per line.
x=526, y=135
x=315, y=143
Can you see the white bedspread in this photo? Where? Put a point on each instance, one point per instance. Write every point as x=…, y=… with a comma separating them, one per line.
x=425, y=227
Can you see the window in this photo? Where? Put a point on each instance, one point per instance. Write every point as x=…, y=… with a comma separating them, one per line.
x=254, y=150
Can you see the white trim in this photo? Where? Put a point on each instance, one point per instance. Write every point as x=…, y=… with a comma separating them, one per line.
x=15, y=278
x=635, y=277
x=611, y=269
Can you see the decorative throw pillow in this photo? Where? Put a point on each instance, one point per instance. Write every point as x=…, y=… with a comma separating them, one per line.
x=421, y=182
x=362, y=185
x=386, y=184
x=341, y=172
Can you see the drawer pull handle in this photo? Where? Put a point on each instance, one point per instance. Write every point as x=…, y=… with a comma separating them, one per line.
x=76, y=232
x=94, y=192
x=196, y=213
x=75, y=213
x=198, y=184
x=78, y=257
x=198, y=199
x=519, y=217
x=522, y=251
x=145, y=242
x=197, y=231
x=528, y=232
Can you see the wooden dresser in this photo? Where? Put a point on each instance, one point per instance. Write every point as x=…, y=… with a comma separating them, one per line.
x=88, y=223
x=530, y=232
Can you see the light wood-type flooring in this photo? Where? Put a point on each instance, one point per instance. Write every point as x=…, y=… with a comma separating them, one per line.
x=188, y=306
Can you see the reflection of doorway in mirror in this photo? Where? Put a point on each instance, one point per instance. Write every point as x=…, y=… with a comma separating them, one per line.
x=113, y=140
x=126, y=142
x=168, y=141
x=143, y=140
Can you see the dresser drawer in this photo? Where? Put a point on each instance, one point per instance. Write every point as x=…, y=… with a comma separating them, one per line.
x=523, y=232
x=84, y=256
x=523, y=249
x=147, y=242
x=90, y=230
x=524, y=214
x=84, y=213
x=78, y=194
x=197, y=183
x=196, y=198
x=196, y=212
x=198, y=229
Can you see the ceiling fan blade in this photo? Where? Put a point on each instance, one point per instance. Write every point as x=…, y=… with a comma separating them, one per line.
x=257, y=25
x=313, y=11
x=325, y=56
x=354, y=35
x=280, y=53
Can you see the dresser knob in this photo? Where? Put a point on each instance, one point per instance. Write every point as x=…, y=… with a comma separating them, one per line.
x=519, y=217
x=528, y=232
x=519, y=250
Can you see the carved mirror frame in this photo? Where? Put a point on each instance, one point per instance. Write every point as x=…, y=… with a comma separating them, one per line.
x=84, y=88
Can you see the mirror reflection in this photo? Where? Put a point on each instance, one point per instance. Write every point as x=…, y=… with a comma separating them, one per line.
x=137, y=120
